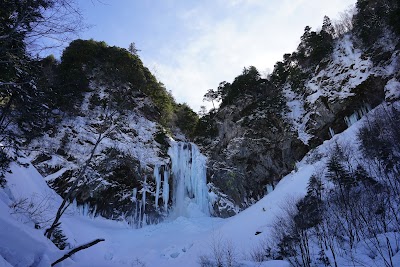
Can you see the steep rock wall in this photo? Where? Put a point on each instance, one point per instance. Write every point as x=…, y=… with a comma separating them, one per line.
x=257, y=144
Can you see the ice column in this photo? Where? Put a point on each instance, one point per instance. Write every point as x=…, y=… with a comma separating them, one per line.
x=189, y=177
x=157, y=176
x=353, y=118
x=161, y=185
x=165, y=193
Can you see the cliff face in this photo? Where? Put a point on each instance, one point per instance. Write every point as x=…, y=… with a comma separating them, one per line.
x=125, y=152
x=350, y=82
x=255, y=148
x=108, y=130
x=260, y=139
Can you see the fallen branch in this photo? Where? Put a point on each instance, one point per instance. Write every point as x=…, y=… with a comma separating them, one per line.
x=75, y=250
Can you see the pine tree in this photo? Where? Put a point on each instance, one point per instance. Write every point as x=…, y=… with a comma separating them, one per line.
x=4, y=164
x=18, y=89
x=211, y=95
x=338, y=174
x=310, y=207
x=59, y=239
x=132, y=49
x=223, y=90
x=303, y=48
x=203, y=111
x=21, y=24
x=363, y=177
x=327, y=26
x=186, y=119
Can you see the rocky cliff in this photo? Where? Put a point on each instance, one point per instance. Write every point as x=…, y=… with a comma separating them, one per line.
x=270, y=124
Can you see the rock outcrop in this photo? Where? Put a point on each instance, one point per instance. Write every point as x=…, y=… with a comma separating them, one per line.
x=260, y=139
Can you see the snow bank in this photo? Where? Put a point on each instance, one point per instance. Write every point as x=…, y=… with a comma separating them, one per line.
x=20, y=243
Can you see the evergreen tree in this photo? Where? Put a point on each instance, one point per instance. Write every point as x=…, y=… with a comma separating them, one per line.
x=315, y=187
x=338, y=174
x=203, y=111
x=21, y=23
x=223, y=91
x=132, y=49
x=310, y=207
x=248, y=81
x=186, y=119
x=4, y=164
x=59, y=239
x=314, y=46
x=363, y=177
x=280, y=73
x=206, y=127
x=373, y=17
x=20, y=99
x=327, y=26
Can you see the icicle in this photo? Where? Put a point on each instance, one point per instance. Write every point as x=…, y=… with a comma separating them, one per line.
x=135, y=206
x=139, y=218
x=157, y=177
x=198, y=182
x=165, y=193
x=85, y=209
x=144, y=222
x=135, y=217
x=331, y=132
x=94, y=211
x=364, y=110
x=269, y=188
x=353, y=118
x=134, y=194
x=144, y=190
x=357, y=115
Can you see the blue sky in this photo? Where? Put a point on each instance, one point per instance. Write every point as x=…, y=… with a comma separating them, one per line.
x=192, y=46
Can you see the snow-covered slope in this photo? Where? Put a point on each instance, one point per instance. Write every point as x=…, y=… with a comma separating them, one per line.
x=176, y=242
x=25, y=201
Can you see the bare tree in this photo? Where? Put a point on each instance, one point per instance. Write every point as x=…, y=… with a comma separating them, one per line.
x=223, y=253
x=41, y=24
x=344, y=23
x=33, y=208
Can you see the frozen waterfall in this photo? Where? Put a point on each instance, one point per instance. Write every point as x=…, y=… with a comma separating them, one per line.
x=188, y=169
x=182, y=182
x=353, y=118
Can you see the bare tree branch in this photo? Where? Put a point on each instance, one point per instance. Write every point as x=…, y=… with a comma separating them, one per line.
x=75, y=250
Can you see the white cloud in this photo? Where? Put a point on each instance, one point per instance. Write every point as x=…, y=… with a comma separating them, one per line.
x=227, y=35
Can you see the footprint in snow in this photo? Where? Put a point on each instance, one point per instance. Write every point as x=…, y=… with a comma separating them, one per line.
x=108, y=256
x=174, y=252
x=186, y=248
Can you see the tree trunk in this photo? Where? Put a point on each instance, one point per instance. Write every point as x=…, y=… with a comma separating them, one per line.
x=75, y=250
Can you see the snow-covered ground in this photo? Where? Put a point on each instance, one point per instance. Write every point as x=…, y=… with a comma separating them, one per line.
x=176, y=242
